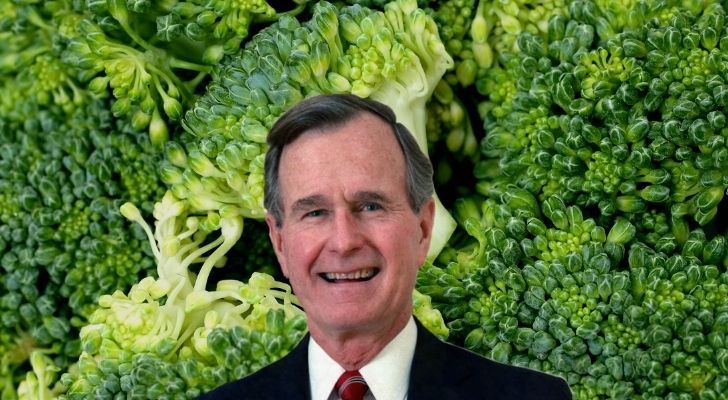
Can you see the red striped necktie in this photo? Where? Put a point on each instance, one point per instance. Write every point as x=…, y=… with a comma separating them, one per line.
x=351, y=386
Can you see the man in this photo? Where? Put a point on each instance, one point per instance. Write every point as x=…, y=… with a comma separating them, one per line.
x=350, y=213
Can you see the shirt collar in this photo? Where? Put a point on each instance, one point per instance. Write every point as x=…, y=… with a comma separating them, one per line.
x=387, y=375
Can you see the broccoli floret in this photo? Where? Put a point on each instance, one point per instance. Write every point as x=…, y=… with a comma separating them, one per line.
x=199, y=338
x=613, y=316
x=627, y=126
x=497, y=24
x=453, y=19
x=451, y=139
x=30, y=65
x=141, y=77
x=153, y=56
x=42, y=382
x=620, y=121
x=219, y=355
x=64, y=242
x=591, y=247
x=220, y=25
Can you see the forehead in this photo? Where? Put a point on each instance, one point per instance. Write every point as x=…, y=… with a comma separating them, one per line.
x=360, y=152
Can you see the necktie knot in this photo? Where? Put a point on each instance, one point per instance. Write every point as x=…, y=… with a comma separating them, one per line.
x=351, y=386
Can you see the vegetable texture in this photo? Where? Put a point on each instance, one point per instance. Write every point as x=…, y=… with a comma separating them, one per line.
x=579, y=144
x=153, y=55
x=548, y=289
x=64, y=242
x=624, y=126
x=602, y=175
x=170, y=336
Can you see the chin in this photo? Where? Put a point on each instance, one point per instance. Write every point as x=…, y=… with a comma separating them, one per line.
x=351, y=320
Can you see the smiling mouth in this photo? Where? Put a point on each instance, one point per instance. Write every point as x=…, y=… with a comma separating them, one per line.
x=361, y=275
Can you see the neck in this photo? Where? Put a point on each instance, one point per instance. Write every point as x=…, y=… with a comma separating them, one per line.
x=353, y=349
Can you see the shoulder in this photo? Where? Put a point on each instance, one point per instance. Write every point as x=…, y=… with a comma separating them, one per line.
x=512, y=382
x=476, y=376
x=270, y=382
x=260, y=383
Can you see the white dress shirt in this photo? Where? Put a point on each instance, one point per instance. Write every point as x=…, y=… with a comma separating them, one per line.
x=387, y=375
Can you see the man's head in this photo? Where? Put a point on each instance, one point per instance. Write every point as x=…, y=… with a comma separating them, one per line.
x=353, y=224
x=328, y=111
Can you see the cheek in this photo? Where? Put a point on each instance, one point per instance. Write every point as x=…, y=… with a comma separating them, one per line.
x=402, y=245
x=299, y=251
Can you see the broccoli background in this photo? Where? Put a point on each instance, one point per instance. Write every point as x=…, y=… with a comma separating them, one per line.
x=580, y=162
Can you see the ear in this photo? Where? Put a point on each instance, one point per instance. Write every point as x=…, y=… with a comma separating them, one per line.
x=274, y=232
x=426, y=221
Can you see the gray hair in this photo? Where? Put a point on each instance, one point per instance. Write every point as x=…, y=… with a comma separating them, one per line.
x=332, y=110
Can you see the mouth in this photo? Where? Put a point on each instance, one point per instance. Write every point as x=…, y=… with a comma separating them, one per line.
x=360, y=275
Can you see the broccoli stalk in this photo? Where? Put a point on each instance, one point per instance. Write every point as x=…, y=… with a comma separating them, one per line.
x=42, y=383
x=408, y=98
x=175, y=322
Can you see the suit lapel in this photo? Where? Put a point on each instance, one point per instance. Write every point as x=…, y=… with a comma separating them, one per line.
x=291, y=380
x=435, y=373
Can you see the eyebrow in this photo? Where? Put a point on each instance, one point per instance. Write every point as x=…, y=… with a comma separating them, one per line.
x=367, y=196
x=315, y=200
x=307, y=202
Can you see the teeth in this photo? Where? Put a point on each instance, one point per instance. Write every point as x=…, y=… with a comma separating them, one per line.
x=359, y=274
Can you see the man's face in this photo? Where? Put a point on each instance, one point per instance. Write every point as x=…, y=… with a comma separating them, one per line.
x=350, y=242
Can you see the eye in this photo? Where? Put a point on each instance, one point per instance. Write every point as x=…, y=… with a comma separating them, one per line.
x=314, y=213
x=371, y=207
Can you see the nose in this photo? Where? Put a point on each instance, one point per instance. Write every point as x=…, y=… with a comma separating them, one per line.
x=346, y=236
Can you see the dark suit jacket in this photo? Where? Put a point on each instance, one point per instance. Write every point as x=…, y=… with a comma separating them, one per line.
x=440, y=371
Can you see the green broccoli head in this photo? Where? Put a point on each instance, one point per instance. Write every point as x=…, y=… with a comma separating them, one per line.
x=612, y=315
x=64, y=242
x=220, y=354
x=179, y=319
x=152, y=57
x=626, y=124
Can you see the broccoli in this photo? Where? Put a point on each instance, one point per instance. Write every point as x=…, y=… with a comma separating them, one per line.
x=194, y=338
x=591, y=241
x=254, y=253
x=176, y=335
x=451, y=139
x=546, y=288
x=62, y=238
x=221, y=25
x=42, y=382
x=497, y=24
x=154, y=55
x=108, y=51
x=30, y=65
x=596, y=253
x=394, y=56
x=627, y=124
x=453, y=19
x=177, y=320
